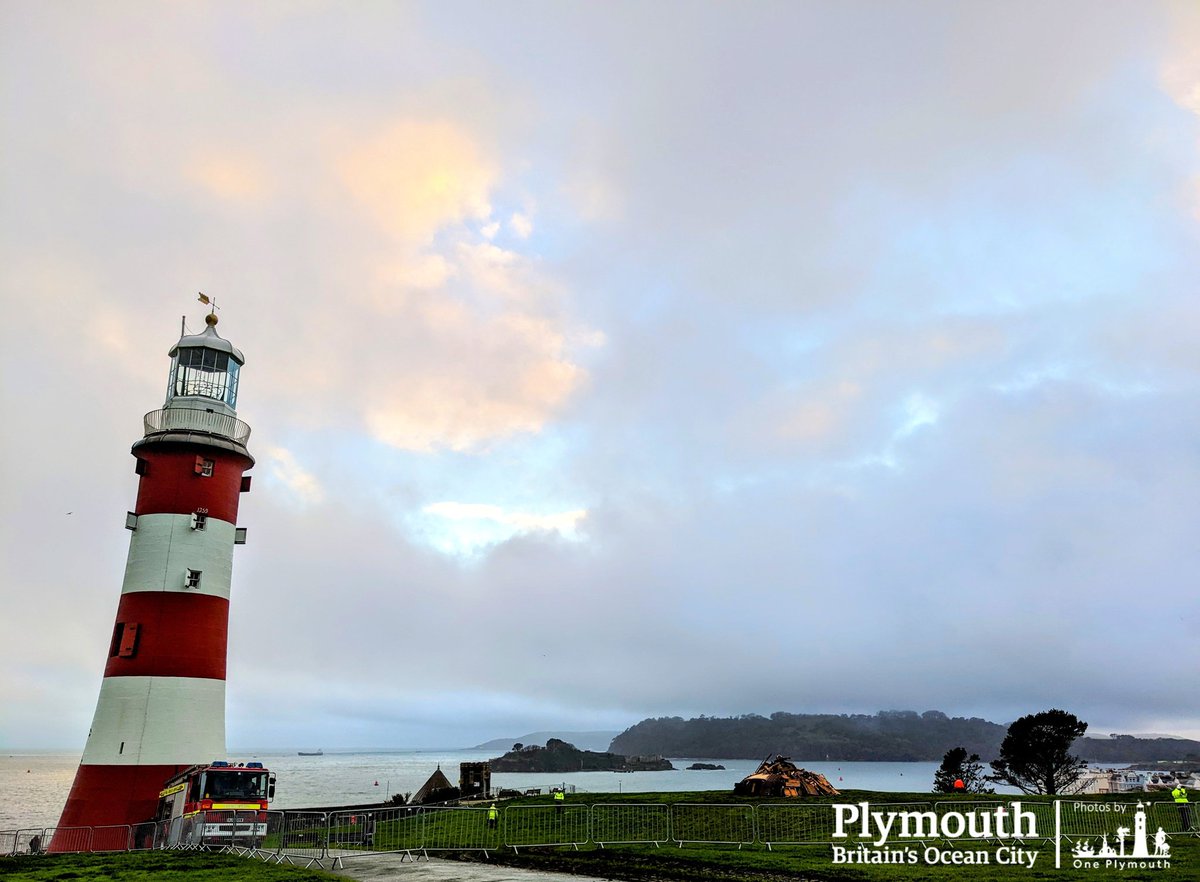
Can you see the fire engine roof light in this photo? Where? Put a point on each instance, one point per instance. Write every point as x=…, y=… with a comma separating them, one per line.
x=219, y=764
x=254, y=765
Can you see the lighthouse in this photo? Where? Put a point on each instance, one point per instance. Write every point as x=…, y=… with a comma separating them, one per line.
x=162, y=701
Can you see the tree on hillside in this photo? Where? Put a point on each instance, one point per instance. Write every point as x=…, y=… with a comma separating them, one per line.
x=1034, y=754
x=957, y=766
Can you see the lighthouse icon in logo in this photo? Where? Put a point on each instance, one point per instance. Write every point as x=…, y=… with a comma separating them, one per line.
x=1140, y=847
x=162, y=701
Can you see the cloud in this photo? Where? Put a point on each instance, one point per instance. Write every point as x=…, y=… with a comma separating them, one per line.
x=521, y=225
x=459, y=527
x=418, y=176
x=830, y=318
x=299, y=482
x=507, y=374
x=230, y=178
x=1180, y=68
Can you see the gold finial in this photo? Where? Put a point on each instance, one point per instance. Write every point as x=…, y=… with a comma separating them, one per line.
x=211, y=318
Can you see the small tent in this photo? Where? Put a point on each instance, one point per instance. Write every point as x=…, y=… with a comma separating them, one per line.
x=779, y=777
x=437, y=789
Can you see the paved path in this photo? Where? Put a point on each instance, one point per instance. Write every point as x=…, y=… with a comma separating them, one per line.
x=388, y=867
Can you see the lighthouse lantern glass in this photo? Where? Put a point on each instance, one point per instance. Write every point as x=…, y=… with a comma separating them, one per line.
x=206, y=373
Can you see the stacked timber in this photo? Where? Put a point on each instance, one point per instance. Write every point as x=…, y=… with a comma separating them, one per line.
x=780, y=777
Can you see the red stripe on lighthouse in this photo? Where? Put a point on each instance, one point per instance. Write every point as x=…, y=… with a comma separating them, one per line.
x=178, y=635
x=110, y=795
x=172, y=485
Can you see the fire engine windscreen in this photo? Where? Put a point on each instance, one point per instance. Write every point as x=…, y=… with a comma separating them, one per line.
x=235, y=784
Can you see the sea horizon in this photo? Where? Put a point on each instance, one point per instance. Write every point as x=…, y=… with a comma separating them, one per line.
x=34, y=782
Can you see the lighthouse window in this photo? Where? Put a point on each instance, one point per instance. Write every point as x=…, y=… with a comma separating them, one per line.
x=204, y=467
x=207, y=373
x=125, y=640
x=115, y=646
x=193, y=579
x=199, y=521
x=231, y=391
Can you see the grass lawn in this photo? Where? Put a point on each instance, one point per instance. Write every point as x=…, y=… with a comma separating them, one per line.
x=536, y=819
x=151, y=866
x=810, y=862
x=758, y=864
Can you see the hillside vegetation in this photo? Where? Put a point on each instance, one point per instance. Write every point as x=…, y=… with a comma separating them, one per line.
x=559, y=756
x=897, y=736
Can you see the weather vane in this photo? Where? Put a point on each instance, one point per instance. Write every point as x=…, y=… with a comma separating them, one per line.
x=206, y=300
x=211, y=318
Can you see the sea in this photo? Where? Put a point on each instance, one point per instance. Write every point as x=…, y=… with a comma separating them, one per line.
x=34, y=784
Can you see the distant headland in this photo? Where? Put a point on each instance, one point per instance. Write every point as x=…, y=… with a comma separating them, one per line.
x=560, y=756
x=888, y=736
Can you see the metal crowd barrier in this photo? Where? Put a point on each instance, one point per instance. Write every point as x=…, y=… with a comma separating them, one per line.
x=626, y=824
x=303, y=836
x=459, y=829
x=712, y=823
x=316, y=837
x=1042, y=812
x=1168, y=816
x=546, y=825
x=793, y=824
x=1091, y=820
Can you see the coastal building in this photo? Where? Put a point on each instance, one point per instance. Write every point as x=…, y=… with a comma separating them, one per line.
x=437, y=789
x=162, y=700
x=1110, y=781
x=475, y=779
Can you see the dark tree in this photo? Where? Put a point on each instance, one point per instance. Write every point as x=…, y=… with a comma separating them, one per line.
x=957, y=766
x=1034, y=754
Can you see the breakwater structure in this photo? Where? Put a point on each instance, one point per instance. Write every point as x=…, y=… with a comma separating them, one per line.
x=162, y=700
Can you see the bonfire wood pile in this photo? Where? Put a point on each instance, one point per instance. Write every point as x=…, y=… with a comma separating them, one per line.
x=779, y=777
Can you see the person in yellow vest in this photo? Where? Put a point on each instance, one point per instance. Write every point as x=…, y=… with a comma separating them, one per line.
x=1179, y=794
x=560, y=800
x=493, y=817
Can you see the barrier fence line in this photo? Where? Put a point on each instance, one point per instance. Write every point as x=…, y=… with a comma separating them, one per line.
x=546, y=825
x=312, y=837
x=460, y=828
x=1086, y=820
x=790, y=824
x=1171, y=816
x=1000, y=820
x=303, y=836
x=68, y=839
x=712, y=823
x=630, y=823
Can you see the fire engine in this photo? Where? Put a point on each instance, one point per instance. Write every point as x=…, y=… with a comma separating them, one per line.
x=215, y=803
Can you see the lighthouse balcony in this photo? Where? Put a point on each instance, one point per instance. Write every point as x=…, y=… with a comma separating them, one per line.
x=196, y=419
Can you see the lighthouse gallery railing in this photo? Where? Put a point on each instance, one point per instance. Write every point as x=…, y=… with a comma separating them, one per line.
x=196, y=419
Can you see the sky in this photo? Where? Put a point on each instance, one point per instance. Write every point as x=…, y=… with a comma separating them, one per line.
x=617, y=360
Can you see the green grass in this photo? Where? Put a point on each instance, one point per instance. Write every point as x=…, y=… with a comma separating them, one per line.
x=535, y=819
x=755, y=863
x=807, y=862
x=150, y=866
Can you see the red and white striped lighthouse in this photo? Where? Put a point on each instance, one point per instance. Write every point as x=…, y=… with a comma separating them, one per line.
x=162, y=701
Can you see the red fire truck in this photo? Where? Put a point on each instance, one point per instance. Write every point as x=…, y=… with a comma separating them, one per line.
x=215, y=803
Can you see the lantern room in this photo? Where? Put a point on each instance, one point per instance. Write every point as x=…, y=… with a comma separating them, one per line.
x=204, y=369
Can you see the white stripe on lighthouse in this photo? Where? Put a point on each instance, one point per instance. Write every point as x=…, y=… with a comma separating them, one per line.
x=164, y=547
x=157, y=721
